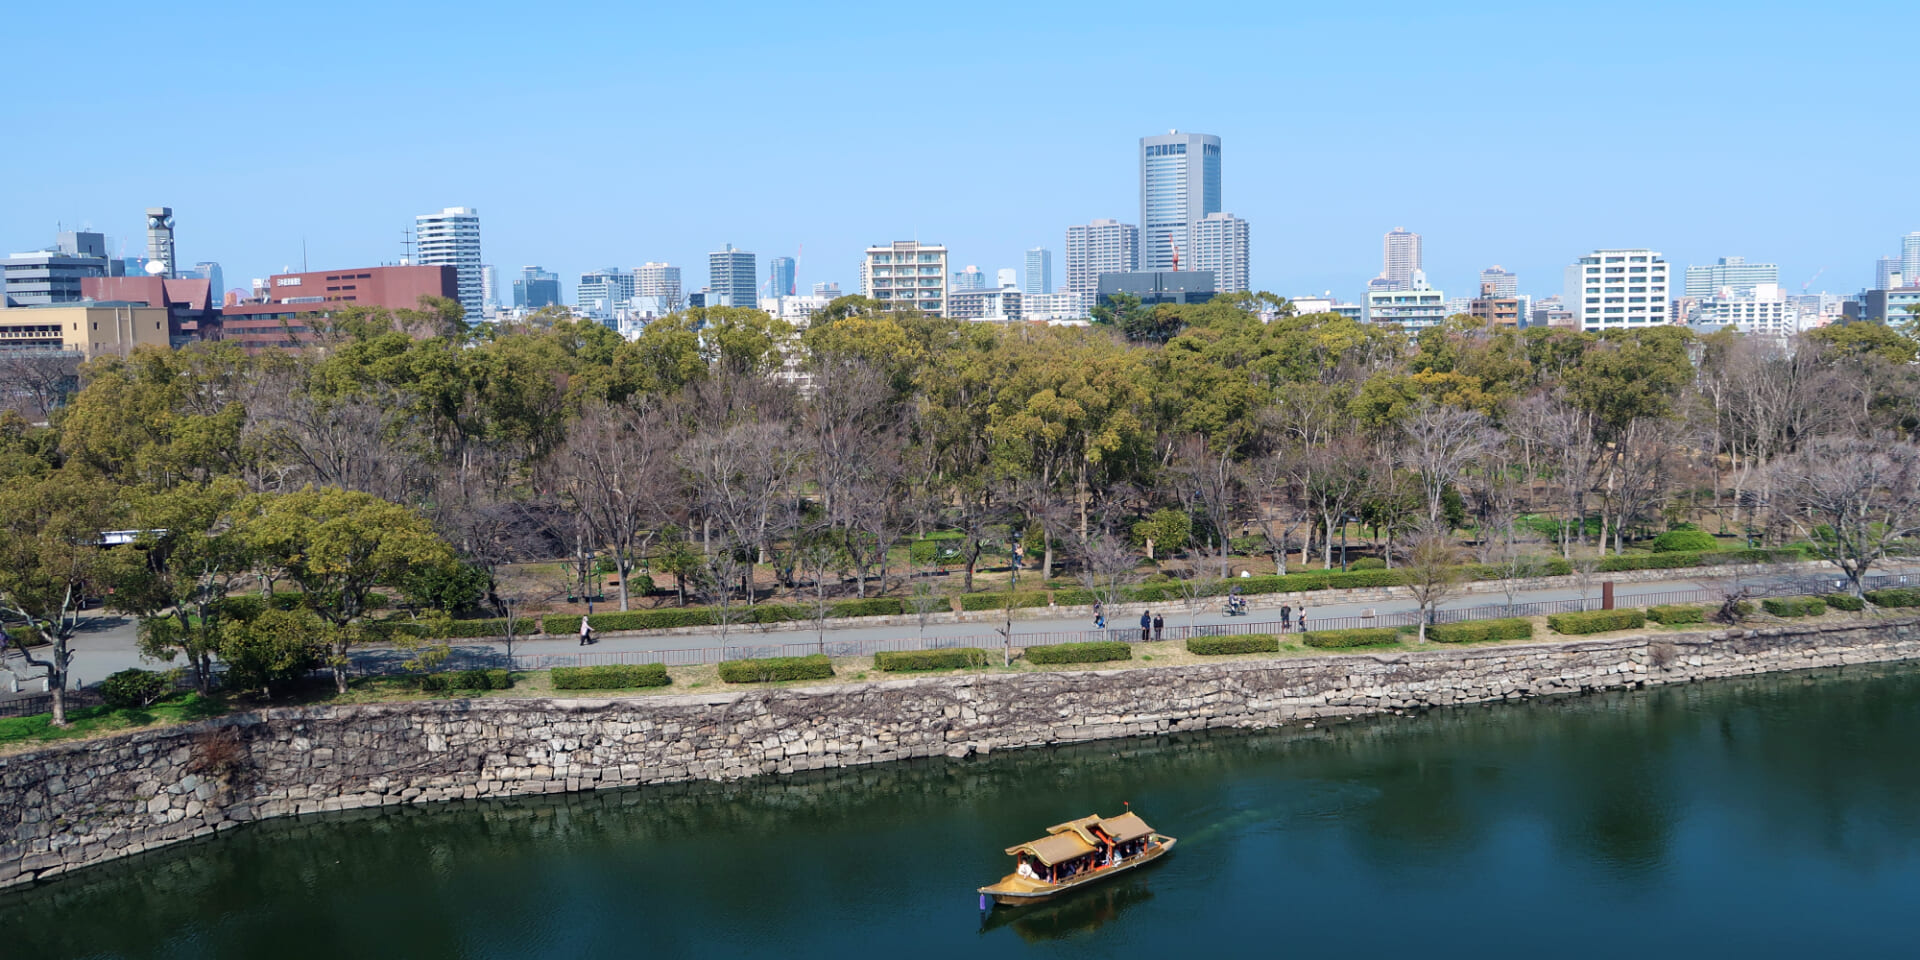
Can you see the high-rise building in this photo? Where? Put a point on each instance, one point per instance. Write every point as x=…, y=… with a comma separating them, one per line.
x=1103, y=246
x=603, y=293
x=907, y=274
x=1039, y=277
x=1399, y=260
x=210, y=272
x=1610, y=289
x=452, y=238
x=972, y=278
x=732, y=279
x=1220, y=245
x=160, y=241
x=489, y=289
x=1179, y=186
x=1885, y=271
x=536, y=288
x=1415, y=307
x=661, y=280
x=1910, y=259
x=1764, y=309
x=1504, y=282
x=780, y=277
x=1734, y=272
x=53, y=275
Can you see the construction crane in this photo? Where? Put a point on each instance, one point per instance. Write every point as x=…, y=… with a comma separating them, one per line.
x=1810, y=280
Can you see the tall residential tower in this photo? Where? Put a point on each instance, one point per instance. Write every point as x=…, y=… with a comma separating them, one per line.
x=452, y=238
x=1220, y=245
x=1103, y=246
x=1039, y=277
x=731, y=279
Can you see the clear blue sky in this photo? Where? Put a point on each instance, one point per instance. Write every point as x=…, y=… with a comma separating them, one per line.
x=610, y=134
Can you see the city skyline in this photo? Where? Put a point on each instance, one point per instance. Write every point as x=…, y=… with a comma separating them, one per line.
x=1318, y=208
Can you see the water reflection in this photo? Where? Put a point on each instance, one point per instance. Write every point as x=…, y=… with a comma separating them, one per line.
x=1079, y=913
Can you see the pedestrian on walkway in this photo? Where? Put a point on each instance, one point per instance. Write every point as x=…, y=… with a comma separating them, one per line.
x=1159, y=627
x=1286, y=617
x=1099, y=616
x=586, y=632
x=1146, y=626
x=1303, y=618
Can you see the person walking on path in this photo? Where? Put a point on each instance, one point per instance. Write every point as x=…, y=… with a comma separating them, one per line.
x=1159, y=628
x=586, y=632
x=1099, y=616
x=1303, y=618
x=1286, y=617
x=1146, y=626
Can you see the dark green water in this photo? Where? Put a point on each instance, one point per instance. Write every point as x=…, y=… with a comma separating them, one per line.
x=1778, y=816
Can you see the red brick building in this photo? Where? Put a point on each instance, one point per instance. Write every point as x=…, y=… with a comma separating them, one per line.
x=294, y=300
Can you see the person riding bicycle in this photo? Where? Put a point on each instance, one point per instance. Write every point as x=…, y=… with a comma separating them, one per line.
x=1235, y=602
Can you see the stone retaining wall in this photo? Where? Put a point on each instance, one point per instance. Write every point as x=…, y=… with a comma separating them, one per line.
x=76, y=804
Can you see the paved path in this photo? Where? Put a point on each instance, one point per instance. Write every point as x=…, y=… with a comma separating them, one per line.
x=110, y=644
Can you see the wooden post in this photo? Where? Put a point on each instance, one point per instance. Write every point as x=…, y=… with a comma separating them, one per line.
x=1606, y=595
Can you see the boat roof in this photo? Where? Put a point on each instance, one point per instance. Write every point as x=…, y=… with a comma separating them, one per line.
x=1065, y=841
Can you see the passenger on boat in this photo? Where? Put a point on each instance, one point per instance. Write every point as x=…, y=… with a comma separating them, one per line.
x=1025, y=869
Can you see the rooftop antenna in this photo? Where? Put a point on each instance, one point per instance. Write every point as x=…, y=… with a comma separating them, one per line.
x=406, y=245
x=303, y=254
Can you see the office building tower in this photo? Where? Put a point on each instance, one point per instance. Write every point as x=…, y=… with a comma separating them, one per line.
x=1415, y=307
x=1910, y=259
x=210, y=272
x=907, y=274
x=972, y=278
x=489, y=289
x=452, y=238
x=1400, y=260
x=1732, y=272
x=1179, y=186
x=1886, y=271
x=1220, y=245
x=1039, y=277
x=160, y=242
x=780, y=277
x=661, y=281
x=1007, y=277
x=288, y=308
x=731, y=279
x=1103, y=246
x=1503, y=281
x=603, y=293
x=54, y=275
x=536, y=288
x=1610, y=289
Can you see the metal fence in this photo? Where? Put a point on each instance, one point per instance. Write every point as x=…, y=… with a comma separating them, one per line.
x=479, y=657
x=26, y=706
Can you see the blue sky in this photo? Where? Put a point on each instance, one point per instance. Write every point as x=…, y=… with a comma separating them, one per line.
x=594, y=134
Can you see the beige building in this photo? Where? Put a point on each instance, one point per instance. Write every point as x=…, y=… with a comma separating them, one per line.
x=88, y=329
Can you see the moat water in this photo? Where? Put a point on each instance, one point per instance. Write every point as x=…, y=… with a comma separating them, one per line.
x=1778, y=816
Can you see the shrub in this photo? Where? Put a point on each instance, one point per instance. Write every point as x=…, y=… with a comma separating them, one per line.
x=814, y=667
x=1080, y=653
x=133, y=688
x=1596, y=621
x=1845, y=601
x=1895, y=597
x=1794, y=606
x=1218, y=646
x=467, y=680
x=1479, y=631
x=1681, y=541
x=460, y=629
x=1368, y=563
x=1677, y=613
x=1074, y=597
x=615, y=676
x=560, y=624
x=955, y=659
x=1358, y=637
x=869, y=607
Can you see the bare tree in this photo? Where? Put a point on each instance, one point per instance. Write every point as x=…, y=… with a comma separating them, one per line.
x=1567, y=433
x=1439, y=442
x=1854, y=499
x=1211, y=477
x=744, y=479
x=616, y=469
x=1107, y=567
x=1433, y=572
x=36, y=382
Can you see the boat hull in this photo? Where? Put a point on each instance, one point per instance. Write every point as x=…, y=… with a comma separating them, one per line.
x=1014, y=890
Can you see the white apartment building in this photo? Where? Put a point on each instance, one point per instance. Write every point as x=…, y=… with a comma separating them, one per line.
x=1502, y=281
x=1415, y=308
x=1220, y=245
x=603, y=294
x=660, y=280
x=1767, y=311
x=1103, y=246
x=1055, y=307
x=1621, y=288
x=1735, y=272
x=452, y=237
x=797, y=309
x=988, y=306
x=906, y=275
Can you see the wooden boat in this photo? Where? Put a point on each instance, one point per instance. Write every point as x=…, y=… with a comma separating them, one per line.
x=1075, y=854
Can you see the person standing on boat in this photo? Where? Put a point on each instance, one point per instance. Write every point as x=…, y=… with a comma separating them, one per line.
x=1146, y=626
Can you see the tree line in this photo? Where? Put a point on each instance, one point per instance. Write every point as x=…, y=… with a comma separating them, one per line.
x=407, y=454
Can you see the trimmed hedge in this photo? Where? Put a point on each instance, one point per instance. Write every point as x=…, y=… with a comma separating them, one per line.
x=467, y=680
x=1480, y=631
x=1845, y=601
x=1684, y=541
x=1221, y=646
x=998, y=601
x=1357, y=637
x=132, y=688
x=1794, y=606
x=1895, y=597
x=1672, y=614
x=955, y=659
x=613, y=676
x=1080, y=652
x=463, y=629
x=1596, y=621
x=870, y=607
x=812, y=667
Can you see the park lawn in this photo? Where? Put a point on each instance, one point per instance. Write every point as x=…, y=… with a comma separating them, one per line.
x=88, y=722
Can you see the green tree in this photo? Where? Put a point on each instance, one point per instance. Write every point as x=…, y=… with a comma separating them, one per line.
x=337, y=546
x=194, y=560
x=274, y=648
x=53, y=563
